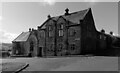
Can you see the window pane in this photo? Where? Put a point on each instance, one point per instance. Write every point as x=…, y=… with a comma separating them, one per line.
x=50, y=34
x=72, y=32
x=61, y=26
x=60, y=32
x=72, y=46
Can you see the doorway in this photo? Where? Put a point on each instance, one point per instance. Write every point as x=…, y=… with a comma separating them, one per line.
x=40, y=52
x=31, y=49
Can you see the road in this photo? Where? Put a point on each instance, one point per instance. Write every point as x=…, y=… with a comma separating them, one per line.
x=69, y=63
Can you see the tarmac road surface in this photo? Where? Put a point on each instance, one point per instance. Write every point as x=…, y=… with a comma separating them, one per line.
x=95, y=63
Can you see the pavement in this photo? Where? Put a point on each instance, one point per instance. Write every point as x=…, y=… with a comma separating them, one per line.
x=93, y=63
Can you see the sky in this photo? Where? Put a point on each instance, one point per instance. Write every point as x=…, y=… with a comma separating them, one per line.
x=18, y=17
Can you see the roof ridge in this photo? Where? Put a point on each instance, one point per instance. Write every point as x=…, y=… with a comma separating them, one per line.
x=79, y=11
x=72, y=13
x=56, y=17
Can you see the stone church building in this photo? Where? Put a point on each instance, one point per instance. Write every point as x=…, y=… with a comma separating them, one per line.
x=67, y=34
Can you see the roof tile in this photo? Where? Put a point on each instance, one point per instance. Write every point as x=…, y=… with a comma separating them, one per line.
x=22, y=37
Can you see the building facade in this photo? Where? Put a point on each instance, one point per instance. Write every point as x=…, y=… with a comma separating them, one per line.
x=68, y=34
x=26, y=44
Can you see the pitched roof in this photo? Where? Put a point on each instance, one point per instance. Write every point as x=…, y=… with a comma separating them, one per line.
x=22, y=37
x=74, y=17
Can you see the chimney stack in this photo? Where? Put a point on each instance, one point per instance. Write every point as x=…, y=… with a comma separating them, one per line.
x=111, y=33
x=103, y=31
x=49, y=16
x=29, y=29
x=32, y=29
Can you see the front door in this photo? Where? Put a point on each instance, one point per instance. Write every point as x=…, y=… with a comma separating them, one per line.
x=40, y=52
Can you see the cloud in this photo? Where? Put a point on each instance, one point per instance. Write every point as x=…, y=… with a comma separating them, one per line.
x=49, y=2
x=7, y=37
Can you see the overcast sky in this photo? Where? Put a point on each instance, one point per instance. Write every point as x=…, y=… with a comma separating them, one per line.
x=18, y=17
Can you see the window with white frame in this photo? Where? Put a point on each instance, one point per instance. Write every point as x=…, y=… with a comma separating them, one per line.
x=61, y=30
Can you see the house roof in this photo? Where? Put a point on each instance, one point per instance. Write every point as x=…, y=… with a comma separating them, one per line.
x=22, y=37
x=74, y=17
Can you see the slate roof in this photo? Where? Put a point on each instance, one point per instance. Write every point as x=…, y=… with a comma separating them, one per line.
x=74, y=17
x=22, y=37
